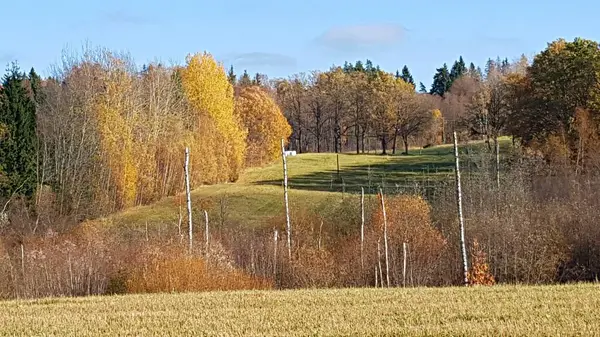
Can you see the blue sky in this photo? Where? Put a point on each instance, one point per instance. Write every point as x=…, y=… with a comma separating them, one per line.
x=284, y=37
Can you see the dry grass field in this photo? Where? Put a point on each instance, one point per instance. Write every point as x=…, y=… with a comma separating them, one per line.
x=568, y=310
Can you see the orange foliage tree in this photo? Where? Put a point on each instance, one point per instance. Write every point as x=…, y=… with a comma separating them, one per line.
x=479, y=273
x=265, y=123
x=408, y=221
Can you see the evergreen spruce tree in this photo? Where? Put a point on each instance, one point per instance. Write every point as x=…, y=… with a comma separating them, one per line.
x=472, y=70
x=358, y=66
x=490, y=67
x=441, y=81
x=18, y=144
x=257, y=79
x=231, y=77
x=348, y=67
x=35, y=83
x=407, y=76
x=369, y=69
x=505, y=66
x=422, y=88
x=459, y=68
x=245, y=80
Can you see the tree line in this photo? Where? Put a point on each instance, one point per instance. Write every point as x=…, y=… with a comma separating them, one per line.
x=100, y=135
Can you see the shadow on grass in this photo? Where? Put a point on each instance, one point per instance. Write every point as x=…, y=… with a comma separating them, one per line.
x=399, y=172
x=422, y=169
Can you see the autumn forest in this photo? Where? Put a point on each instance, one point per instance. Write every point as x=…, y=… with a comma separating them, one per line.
x=102, y=135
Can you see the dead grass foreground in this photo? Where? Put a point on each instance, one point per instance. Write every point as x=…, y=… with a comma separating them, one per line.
x=479, y=311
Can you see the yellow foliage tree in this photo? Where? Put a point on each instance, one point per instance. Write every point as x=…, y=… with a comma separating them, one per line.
x=265, y=123
x=208, y=90
x=116, y=135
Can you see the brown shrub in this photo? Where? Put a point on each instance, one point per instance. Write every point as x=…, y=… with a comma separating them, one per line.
x=479, y=273
x=408, y=221
x=180, y=274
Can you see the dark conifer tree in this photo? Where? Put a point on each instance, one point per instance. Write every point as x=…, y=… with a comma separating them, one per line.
x=18, y=157
x=231, y=77
x=441, y=81
x=407, y=76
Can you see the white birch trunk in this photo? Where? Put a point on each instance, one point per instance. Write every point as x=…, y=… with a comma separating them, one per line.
x=497, y=163
x=189, y=197
x=362, y=228
x=288, y=226
x=460, y=214
x=385, y=240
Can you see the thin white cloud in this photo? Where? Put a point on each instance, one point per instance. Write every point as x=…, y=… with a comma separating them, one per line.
x=361, y=36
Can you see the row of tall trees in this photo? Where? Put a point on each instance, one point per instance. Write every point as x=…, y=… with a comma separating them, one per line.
x=100, y=135
x=347, y=107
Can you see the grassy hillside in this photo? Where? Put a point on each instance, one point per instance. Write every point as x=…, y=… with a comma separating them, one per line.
x=494, y=311
x=314, y=185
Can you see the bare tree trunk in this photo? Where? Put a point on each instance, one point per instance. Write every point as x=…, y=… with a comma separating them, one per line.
x=379, y=263
x=252, y=265
x=275, y=235
x=376, y=276
x=320, y=232
x=497, y=162
x=23, y=262
x=363, y=140
x=460, y=214
x=404, y=249
x=362, y=228
x=189, y=196
x=357, y=134
x=385, y=240
x=405, y=140
x=179, y=224
x=206, y=231
x=285, y=197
